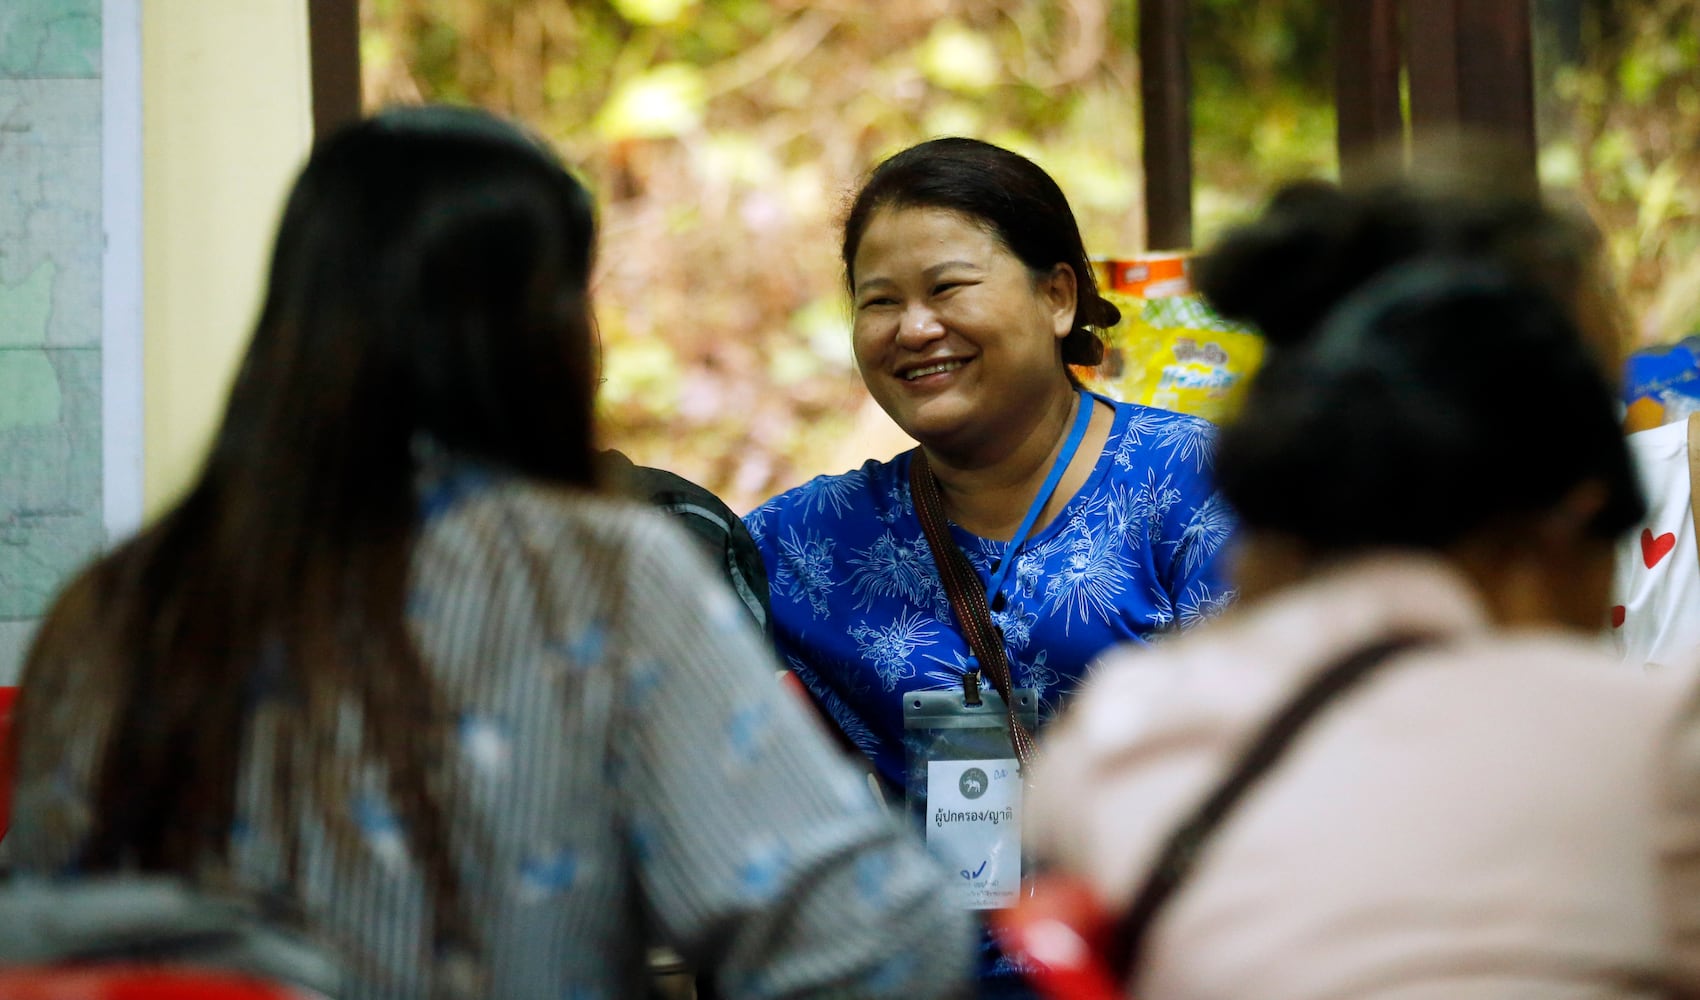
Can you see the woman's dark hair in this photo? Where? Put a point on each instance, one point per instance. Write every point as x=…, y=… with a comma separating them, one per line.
x=1012, y=198
x=1440, y=398
x=1316, y=242
x=428, y=285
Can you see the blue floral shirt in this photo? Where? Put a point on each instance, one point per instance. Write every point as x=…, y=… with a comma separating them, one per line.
x=861, y=617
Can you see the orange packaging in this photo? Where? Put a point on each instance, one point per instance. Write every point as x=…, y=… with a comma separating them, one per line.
x=1145, y=276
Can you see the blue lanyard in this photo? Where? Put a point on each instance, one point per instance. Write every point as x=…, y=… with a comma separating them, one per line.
x=1075, y=435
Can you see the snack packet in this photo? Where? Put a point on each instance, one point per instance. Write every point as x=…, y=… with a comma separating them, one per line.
x=1661, y=384
x=1170, y=349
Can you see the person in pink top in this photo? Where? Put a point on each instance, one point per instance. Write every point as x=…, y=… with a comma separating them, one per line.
x=1431, y=480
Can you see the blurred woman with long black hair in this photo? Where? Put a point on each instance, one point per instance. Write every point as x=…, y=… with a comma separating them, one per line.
x=392, y=659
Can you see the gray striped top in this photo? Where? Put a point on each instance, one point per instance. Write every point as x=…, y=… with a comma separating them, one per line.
x=628, y=772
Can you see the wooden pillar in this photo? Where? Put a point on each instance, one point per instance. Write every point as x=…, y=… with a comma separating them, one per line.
x=1472, y=68
x=333, y=33
x=1366, y=79
x=1165, y=92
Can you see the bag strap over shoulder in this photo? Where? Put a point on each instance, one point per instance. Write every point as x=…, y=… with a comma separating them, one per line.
x=967, y=597
x=1179, y=856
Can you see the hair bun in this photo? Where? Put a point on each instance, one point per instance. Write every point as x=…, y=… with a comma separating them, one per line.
x=1083, y=347
x=1399, y=412
x=1281, y=272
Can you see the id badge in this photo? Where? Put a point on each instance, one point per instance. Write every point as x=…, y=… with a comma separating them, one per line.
x=964, y=786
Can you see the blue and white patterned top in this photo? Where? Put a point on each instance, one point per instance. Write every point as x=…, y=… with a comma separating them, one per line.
x=626, y=772
x=861, y=617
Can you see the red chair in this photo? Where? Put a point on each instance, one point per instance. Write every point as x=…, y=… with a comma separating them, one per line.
x=7, y=696
x=139, y=982
x=1061, y=930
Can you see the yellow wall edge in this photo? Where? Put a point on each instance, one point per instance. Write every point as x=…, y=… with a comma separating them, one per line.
x=226, y=123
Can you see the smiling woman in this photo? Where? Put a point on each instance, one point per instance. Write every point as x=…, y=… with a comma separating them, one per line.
x=1084, y=523
x=954, y=337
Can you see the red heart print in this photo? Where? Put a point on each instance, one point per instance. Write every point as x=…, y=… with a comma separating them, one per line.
x=1617, y=613
x=1654, y=549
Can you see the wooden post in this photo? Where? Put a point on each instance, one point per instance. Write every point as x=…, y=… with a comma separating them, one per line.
x=1366, y=79
x=1472, y=69
x=1165, y=92
x=333, y=41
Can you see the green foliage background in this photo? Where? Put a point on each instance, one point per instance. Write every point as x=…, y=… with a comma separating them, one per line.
x=722, y=138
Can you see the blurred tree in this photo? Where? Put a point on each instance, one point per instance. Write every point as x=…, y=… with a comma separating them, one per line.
x=1623, y=134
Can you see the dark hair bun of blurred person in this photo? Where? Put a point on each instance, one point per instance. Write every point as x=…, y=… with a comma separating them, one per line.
x=1315, y=243
x=1441, y=397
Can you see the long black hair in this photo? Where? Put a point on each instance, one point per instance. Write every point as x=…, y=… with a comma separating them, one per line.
x=429, y=284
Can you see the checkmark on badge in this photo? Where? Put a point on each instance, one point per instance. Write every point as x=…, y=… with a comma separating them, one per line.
x=976, y=872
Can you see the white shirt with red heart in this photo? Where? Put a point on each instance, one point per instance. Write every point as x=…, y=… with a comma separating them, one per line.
x=1656, y=617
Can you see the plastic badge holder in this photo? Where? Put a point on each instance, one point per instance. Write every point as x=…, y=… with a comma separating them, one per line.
x=962, y=752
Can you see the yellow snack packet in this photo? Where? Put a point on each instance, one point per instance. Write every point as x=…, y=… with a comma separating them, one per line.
x=1170, y=349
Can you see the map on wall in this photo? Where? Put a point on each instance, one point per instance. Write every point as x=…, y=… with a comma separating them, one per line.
x=50, y=305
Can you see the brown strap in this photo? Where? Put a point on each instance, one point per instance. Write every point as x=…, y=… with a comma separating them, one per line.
x=967, y=596
x=1694, y=474
x=1179, y=855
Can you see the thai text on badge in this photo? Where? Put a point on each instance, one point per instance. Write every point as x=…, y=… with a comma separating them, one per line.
x=973, y=823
